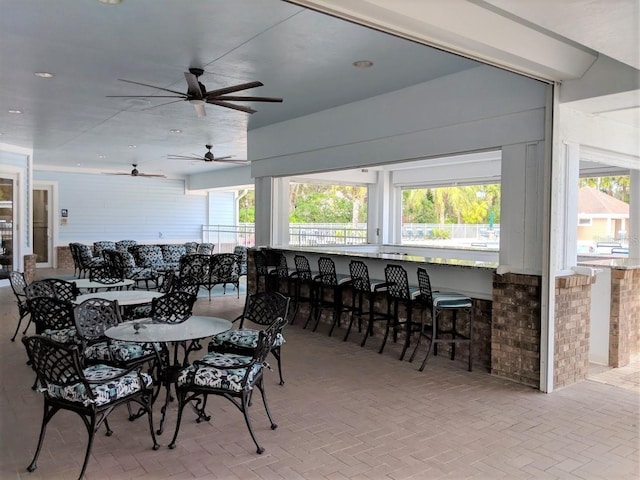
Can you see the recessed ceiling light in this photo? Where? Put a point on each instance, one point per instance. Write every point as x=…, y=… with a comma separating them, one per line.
x=362, y=64
x=133, y=146
x=14, y=110
x=102, y=156
x=44, y=74
x=78, y=164
x=110, y=2
x=176, y=130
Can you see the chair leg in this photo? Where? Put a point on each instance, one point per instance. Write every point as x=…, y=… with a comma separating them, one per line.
x=48, y=414
x=266, y=404
x=276, y=353
x=91, y=429
x=245, y=411
x=181, y=403
x=13, y=339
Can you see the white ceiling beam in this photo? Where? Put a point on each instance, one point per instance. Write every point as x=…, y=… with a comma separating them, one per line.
x=470, y=29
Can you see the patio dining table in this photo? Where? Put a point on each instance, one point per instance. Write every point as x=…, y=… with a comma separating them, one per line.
x=146, y=330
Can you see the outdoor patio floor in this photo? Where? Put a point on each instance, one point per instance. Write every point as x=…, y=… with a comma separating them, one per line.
x=345, y=412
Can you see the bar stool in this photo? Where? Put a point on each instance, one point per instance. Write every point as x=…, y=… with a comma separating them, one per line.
x=280, y=276
x=262, y=272
x=439, y=302
x=303, y=286
x=400, y=293
x=328, y=292
x=363, y=299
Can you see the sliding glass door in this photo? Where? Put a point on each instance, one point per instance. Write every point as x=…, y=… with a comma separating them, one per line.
x=7, y=222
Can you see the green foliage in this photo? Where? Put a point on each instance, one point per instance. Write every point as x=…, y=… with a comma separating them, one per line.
x=247, y=206
x=440, y=233
x=312, y=203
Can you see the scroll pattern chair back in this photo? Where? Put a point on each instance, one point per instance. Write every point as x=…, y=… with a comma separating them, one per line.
x=260, y=309
x=95, y=315
x=262, y=272
x=230, y=376
x=242, y=253
x=18, y=286
x=195, y=267
x=39, y=288
x=92, y=392
x=174, y=307
x=63, y=290
x=101, y=245
x=53, y=318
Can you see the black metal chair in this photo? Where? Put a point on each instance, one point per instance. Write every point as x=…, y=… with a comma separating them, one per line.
x=438, y=302
x=242, y=253
x=365, y=292
x=224, y=270
x=194, y=269
x=400, y=293
x=228, y=375
x=122, y=264
x=280, y=277
x=53, y=318
x=172, y=307
x=262, y=271
x=18, y=285
x=95, y=315
x=304, y=288
x=329, y=288
x=92, y=392
x=260, y=309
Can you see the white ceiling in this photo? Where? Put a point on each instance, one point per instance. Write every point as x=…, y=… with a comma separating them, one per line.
x=303, y=56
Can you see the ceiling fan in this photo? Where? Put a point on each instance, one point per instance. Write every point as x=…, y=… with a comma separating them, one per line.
x=136, y=173
x=198, y=96
x=207, y=157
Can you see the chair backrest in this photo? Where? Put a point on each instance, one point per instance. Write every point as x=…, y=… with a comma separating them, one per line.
x=242, y=253
x=75, y=255
x=360, y=276
x=303, y=270
x=327, y=269
x=266, y=338
x=114, y=268
x=191, y=247
x=124, y=245
x=260, y=262
x=173, y=307
x=282, y=269
x=40, y=288
x=424, y=283
x=168, y=281
x=93, y=316
x=195, y=267
x=224, y=268
x=18, y=285
x=56, y=364
x=205, y=248
x=149, y=256
x=186, y=284
x=264, y=308
x=101, y=245
x=397, y=282
x=63, y=290
x=51, y=313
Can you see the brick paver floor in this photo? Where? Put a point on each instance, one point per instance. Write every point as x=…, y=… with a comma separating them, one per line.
x=345, y=412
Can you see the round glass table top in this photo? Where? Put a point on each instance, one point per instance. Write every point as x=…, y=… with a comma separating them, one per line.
x=147, y=330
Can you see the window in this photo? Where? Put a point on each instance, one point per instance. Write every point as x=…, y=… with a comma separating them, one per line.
x=456, y=216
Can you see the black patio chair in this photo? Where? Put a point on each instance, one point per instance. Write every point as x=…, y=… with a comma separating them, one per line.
x=260, y=309
x=18, y=286
x=92, y=392
x=228, y=375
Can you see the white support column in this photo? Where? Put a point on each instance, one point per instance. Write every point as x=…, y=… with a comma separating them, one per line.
x=566, y=177
x=384, y=214
x=634, y=214
x=264, y=210
x=280, y=211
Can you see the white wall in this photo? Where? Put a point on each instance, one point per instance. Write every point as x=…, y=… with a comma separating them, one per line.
x=109, y=207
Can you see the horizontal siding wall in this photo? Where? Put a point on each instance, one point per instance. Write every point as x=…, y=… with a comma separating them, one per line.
x=106, y=207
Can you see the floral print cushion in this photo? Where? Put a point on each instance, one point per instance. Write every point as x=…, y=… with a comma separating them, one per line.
x=149, y=256
x=173, y=253
x=212, y=376
x=119, y=351
x=123, y=245
x=62, y=335
x=191, y=247
x=105, y=392
x=243, y=337
x=101, y=245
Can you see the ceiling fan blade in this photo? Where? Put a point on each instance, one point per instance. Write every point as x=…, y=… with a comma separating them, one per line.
x=193, y=89
x=151, y=175
x=200, y=111
x=235, y=88
x=183, y=157
x=182, y=94
x=222, y=159
x=161, y=104
x=231, y=98
x=232, y=106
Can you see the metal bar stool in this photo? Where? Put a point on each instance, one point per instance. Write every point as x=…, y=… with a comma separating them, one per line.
x=439, y=302
x=329, y=290
x=303, y=286
x=364, y=294
x=400, y=293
